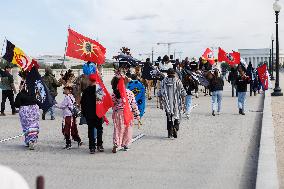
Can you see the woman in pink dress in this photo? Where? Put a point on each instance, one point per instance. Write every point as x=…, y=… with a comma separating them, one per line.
x=122, y=135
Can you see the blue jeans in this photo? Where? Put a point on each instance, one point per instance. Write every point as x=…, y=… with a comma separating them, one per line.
x=216, y=100
x=241, y=100
x=188, y=101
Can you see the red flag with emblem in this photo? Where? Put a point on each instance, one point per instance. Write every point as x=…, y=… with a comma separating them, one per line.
x=128, y=116
x=209, y=56
x=104, y=102
x=231, y=58
x=84, y=48
x=263, y=76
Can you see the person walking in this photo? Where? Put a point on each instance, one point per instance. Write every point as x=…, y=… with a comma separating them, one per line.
x=52, y=84
x=122, y=134
x=147, y=77
x=232, y=77
x=172, y=96
x=95, y=124
x=241, y=83
x=216, y=86
x=8, y=89
x=69, y=124
x=29, y=116
x=189, y=85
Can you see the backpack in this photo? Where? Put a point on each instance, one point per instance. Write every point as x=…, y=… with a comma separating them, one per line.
x=75, y=110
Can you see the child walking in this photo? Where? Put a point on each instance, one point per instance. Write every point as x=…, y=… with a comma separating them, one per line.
x=122, y=134
x=69, y=121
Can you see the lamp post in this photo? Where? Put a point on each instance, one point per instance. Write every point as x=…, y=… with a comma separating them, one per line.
x=270, y=64
x=277, y=89
x=272, y=58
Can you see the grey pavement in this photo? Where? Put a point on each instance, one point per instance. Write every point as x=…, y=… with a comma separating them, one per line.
x=210, y=152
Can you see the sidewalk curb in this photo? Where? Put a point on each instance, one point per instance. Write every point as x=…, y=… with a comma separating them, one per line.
x=267, y=176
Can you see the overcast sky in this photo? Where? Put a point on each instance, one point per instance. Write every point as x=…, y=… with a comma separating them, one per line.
x=40, y=26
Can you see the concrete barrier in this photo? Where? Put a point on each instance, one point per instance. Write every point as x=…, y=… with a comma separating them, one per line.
x=267, y=176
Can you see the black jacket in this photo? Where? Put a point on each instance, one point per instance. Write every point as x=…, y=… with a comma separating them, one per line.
x=189, y=86
x=88, y=103
x=216, y=84
x=241, y=83
x=25, y=99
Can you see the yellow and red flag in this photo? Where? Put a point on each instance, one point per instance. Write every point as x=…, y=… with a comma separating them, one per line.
x=84, y=48
x=16, y=56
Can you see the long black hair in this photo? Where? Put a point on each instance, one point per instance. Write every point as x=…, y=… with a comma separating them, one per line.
x=114, y=83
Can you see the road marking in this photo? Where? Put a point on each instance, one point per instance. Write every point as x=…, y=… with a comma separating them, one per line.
x=137, y=137
x=11, y=138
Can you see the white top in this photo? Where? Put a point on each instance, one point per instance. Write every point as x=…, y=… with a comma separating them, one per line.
x=165, y=66
x=10, y=179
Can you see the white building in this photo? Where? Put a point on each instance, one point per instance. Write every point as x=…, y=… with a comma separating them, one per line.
x=55, y=59
x=258, y=56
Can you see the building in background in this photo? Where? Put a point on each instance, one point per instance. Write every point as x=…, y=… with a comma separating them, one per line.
x=259, y=56
x=50, y=60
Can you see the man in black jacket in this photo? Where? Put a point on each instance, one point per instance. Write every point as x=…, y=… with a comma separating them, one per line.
x=88, y=107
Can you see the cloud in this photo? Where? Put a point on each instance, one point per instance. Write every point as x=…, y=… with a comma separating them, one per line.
x=140, y=17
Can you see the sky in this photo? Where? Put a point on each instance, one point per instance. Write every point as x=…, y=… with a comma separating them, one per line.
x=39, y=27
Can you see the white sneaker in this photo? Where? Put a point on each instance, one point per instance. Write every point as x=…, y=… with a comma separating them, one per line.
x=187, y=115
x=31, y=145
x=218, y=113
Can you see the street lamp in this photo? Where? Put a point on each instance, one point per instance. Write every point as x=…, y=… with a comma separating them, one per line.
x=270, y=64
x=272, y=58
x=277, y=89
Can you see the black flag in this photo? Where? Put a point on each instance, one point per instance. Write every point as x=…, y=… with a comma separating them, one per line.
x=37, y=87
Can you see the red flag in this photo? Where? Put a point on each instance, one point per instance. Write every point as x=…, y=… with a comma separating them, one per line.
x=84, y=48
x=209, y=56
x=231, y=58
x=236, y=57
x=128, y=116
x=262, y=73
x=105, y=102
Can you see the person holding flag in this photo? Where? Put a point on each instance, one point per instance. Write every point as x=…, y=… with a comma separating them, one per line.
x=29, y=116
x=241, y=82
x=125, y=110
x=89, y=111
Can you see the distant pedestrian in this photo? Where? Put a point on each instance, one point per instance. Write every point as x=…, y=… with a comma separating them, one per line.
x=232, y=77
x=122, y=134
x=241, y=83
x=8, y=89
x=172, y=96
x=216, y=86
x=95, y=124
x=29, y=116
x=52, y=84
x=69, y=124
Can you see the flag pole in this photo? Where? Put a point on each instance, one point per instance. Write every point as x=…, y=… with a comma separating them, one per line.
x=3, y=48
x=65, y=51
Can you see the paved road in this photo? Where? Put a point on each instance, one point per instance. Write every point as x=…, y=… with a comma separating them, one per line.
x=210, y=152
